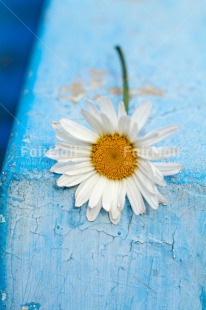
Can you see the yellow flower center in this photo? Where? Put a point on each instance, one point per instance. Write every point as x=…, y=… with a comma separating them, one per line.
x=114, y=157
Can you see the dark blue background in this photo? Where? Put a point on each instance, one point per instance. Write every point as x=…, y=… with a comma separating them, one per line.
x=15, y=48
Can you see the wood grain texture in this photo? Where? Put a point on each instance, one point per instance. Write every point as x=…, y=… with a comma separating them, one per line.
x=53, y=257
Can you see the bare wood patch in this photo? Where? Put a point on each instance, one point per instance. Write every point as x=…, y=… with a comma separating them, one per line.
x=150, y=90
x=146, y=90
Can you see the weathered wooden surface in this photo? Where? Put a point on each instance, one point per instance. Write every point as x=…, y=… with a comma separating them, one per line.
x=53, y=257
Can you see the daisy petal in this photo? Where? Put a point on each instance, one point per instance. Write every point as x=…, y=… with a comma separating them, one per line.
x=59, y=168
x=84, y=190
x=63, y=167
x=66, y=155
x=121, y=110
x=124, y=125
x=97, y=192
x=135, y=197
x=151, y=172
x=141, y=114
x=94, y=111
x=80, y=168
x=56, y=154
x=74, y=148
x=63, y=135
x=151, y=199
x=92, y=213
x=122, y=194
x=157, y=135
x=109, y=127
x=107, y=108
x=72, y=160
x=161, y=198
x=78, y=131
x=92, y=108
x=154, y=153
x=68, y=181
x=145, y=181
x=168, y=168
x=107, y=196
x=94, y=122
x=114, y=221
x=115, y=211
x=133, y=132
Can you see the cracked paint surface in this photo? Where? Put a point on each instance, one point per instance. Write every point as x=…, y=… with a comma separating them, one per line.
x=135, y=260
x=52, y=255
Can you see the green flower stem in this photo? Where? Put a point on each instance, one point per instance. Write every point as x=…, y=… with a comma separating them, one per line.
x=124, y=78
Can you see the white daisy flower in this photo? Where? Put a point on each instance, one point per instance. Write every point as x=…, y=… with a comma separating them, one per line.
x=113, y=161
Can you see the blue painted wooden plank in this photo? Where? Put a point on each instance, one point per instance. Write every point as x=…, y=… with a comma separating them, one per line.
x=54, y=258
